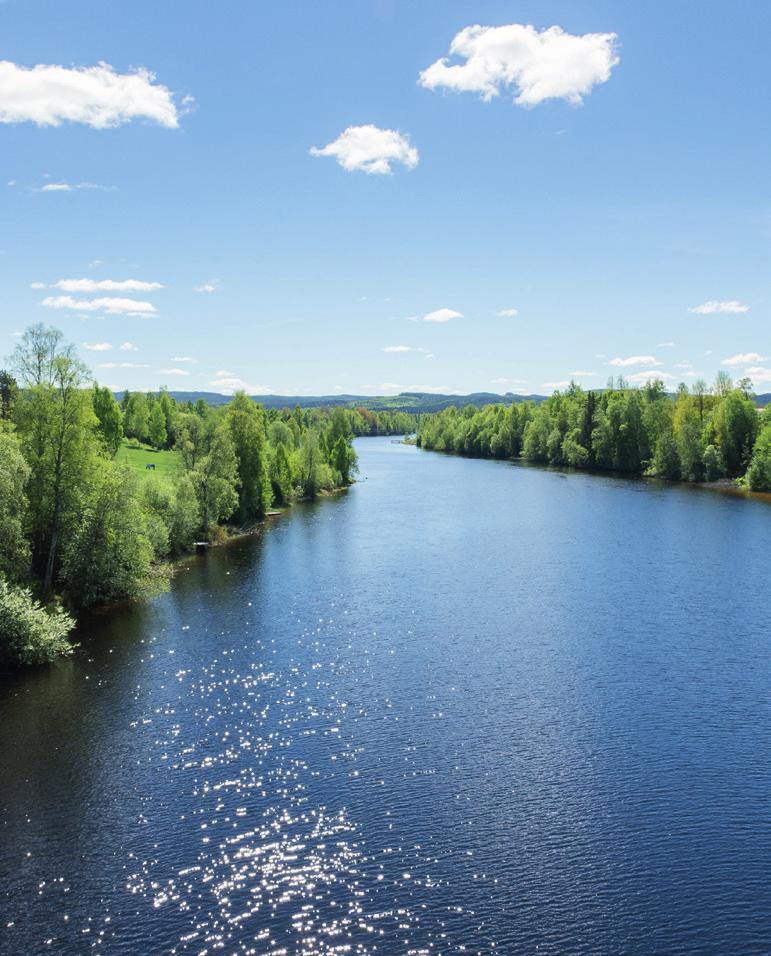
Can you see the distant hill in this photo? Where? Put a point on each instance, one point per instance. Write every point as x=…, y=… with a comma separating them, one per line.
x=405, y=402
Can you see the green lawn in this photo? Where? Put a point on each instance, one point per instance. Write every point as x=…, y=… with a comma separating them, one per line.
x=166, y=462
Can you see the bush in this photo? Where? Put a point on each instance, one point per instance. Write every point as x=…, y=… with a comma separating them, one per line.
x=29, y=634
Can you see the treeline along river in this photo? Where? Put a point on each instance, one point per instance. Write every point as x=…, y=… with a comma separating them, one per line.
x=466, y=706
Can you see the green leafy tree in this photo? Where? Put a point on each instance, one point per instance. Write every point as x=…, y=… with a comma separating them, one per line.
x=108, y=552
x=110, y=417
x=156, y=429
x=215, y=480
x=58, y=428
x=14, y=472
x=247, y=425
x=9, y=393
x=136, y=417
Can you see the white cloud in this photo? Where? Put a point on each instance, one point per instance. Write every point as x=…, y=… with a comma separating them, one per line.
x=642, y=378
x=49, y=95
x=174, y=371
x=185, y=358
x=744, y=358
x=211, y=285
x=122, y=365
x=582, y=374
x=73, y=187
x=442, y=315
x=111, y=306
x=634, y=360
x=97, y=346
x=231, y=383
x=397, y=348
x=555, y=385
x=104, y=285
x=713, y=306
x=758, y=374
x=223, y=373
x=37, y=285
x=535, y=65
x=509, y=313
x=370, y=149
x=128, y=347
x=665, y=345
x=683, y=364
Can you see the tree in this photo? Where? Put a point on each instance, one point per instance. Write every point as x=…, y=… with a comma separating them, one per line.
x=759, y=472
x=157, y=426
x=14, y=472
x=215, y=480
x=9, y=393
x=136, y=417
x=246, y=424
x=108, y=552
x=343, y=459
x=58, y=427
x=36, y=355
x=110, y=416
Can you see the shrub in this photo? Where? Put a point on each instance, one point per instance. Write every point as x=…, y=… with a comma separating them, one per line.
x=29, y=634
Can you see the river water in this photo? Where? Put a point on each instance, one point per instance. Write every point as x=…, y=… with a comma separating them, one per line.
x=465, y=707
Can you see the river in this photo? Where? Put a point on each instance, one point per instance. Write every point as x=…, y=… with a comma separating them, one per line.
x=465, y=707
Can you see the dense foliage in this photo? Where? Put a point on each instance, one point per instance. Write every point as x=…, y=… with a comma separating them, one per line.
x=78, y=527
x=699, y=434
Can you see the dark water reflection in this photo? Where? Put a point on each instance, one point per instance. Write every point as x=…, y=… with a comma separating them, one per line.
x=466, y=707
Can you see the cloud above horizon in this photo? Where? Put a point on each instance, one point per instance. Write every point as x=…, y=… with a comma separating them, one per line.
x=231, y=383
x=534, y=65
x=370, y=149
x=717, y=306
x=97, y=346
x=97, y=96
x=101, y=285
x=743, y=358
x=72, y=187
x=633, y=360
x=108, y=304
x=508, y=313
x=442, y=315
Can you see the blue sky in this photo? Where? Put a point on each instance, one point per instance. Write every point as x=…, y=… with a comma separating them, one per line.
x=596, y=225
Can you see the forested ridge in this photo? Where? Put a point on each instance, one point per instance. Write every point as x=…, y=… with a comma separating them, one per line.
x=79, y=528
x=699, y=434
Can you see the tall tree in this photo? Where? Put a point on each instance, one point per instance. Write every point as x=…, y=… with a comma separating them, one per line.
x=246, y=423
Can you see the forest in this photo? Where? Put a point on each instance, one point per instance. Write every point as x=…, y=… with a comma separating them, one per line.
x=699, y=434
x=80, y=528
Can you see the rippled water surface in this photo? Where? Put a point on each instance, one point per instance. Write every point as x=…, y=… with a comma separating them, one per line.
x=466, y=707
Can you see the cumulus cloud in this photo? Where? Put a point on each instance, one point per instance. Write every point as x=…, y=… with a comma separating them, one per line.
x=103, y=285
x=174, y=371
x=397, y=348
x=185, y=358
x=534, y=65
x=634, y=360
x=743, y=358
x=642, y=378
x=211, y=285
x=231, y=383
x=666, y=345
x=37, y=285
x=110, y=305
x=442, y=315
x=370, y=149
x=556, y=385
x=97, y=346
x=128, y=347
x=509, y=313
x=97, y=96
x=759, y=374
x=713, y=306
x=582, y=374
